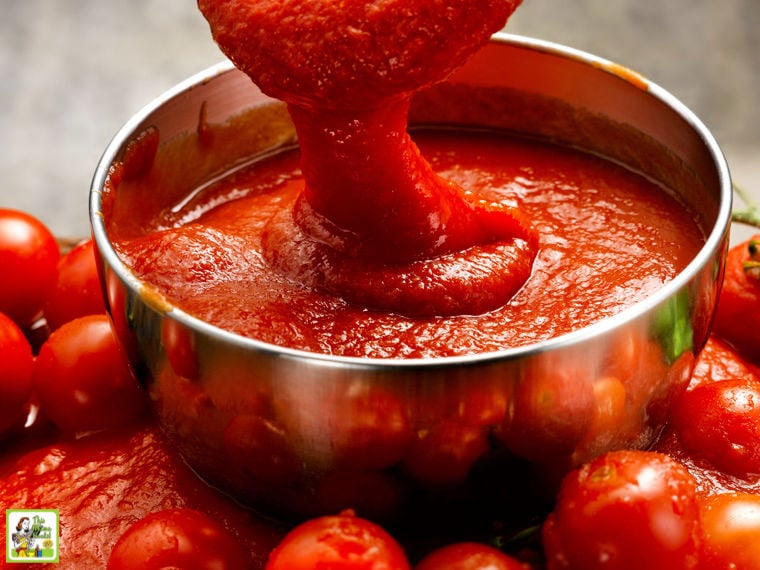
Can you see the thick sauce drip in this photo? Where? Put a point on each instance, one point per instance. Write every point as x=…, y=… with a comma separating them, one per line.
x=608, y=238
x=347, y=71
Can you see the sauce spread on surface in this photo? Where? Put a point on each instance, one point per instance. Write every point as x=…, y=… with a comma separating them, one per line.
x=608, y=238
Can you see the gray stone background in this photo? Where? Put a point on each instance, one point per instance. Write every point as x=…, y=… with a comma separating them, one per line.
x=73, y=71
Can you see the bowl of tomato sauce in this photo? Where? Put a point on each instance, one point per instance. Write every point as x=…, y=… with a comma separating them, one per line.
x=299, y=401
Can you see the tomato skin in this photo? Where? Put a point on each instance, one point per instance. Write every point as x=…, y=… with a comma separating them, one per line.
x=82, y=378
x=737, y=318
x=720, y=361
x=468, y=556
x=77, y=290
x=720, y=421
x=625, y=510
x=177, y=538
x=731, y=527
x=29, y=254
x=15, y=375
x=335, y=542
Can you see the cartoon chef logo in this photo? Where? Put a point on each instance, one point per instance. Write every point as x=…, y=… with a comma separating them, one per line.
x=31, y=535
x=23, y=541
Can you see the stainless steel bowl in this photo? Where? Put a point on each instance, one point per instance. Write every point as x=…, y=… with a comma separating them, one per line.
x=295, y=433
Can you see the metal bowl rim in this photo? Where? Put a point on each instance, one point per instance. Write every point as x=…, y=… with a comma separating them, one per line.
x=597, y=329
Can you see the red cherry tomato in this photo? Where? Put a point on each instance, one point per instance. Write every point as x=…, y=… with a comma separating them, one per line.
x=720, y=421
x=731, y=527
x=338, y=541
x=624, y=510
x=82, y=378
x=178, y=538
x=737, y=318
x=77, y=291
x=468, y=556
x=28, y=257
x=15, y=375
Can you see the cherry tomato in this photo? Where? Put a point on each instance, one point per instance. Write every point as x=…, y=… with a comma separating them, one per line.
x=15, y=375
x=737, y=318
x=77, y=291
x=468, y=556
x=731, y=527
x=338, y=541
x=178, y=538
x=28, y=257
x=720, y=421
x=624, y=510
x=82, y=378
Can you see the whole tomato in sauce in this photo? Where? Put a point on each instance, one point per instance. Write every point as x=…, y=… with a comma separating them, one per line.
x=178, y=538
x=731, y=527
x=720, y=421
x=625, y=510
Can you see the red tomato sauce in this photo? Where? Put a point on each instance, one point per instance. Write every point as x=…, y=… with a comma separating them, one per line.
x=607, y=238
x=347, y=72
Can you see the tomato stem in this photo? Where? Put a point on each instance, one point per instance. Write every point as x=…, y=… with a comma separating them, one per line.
x=752, y=265
x=750, y=214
